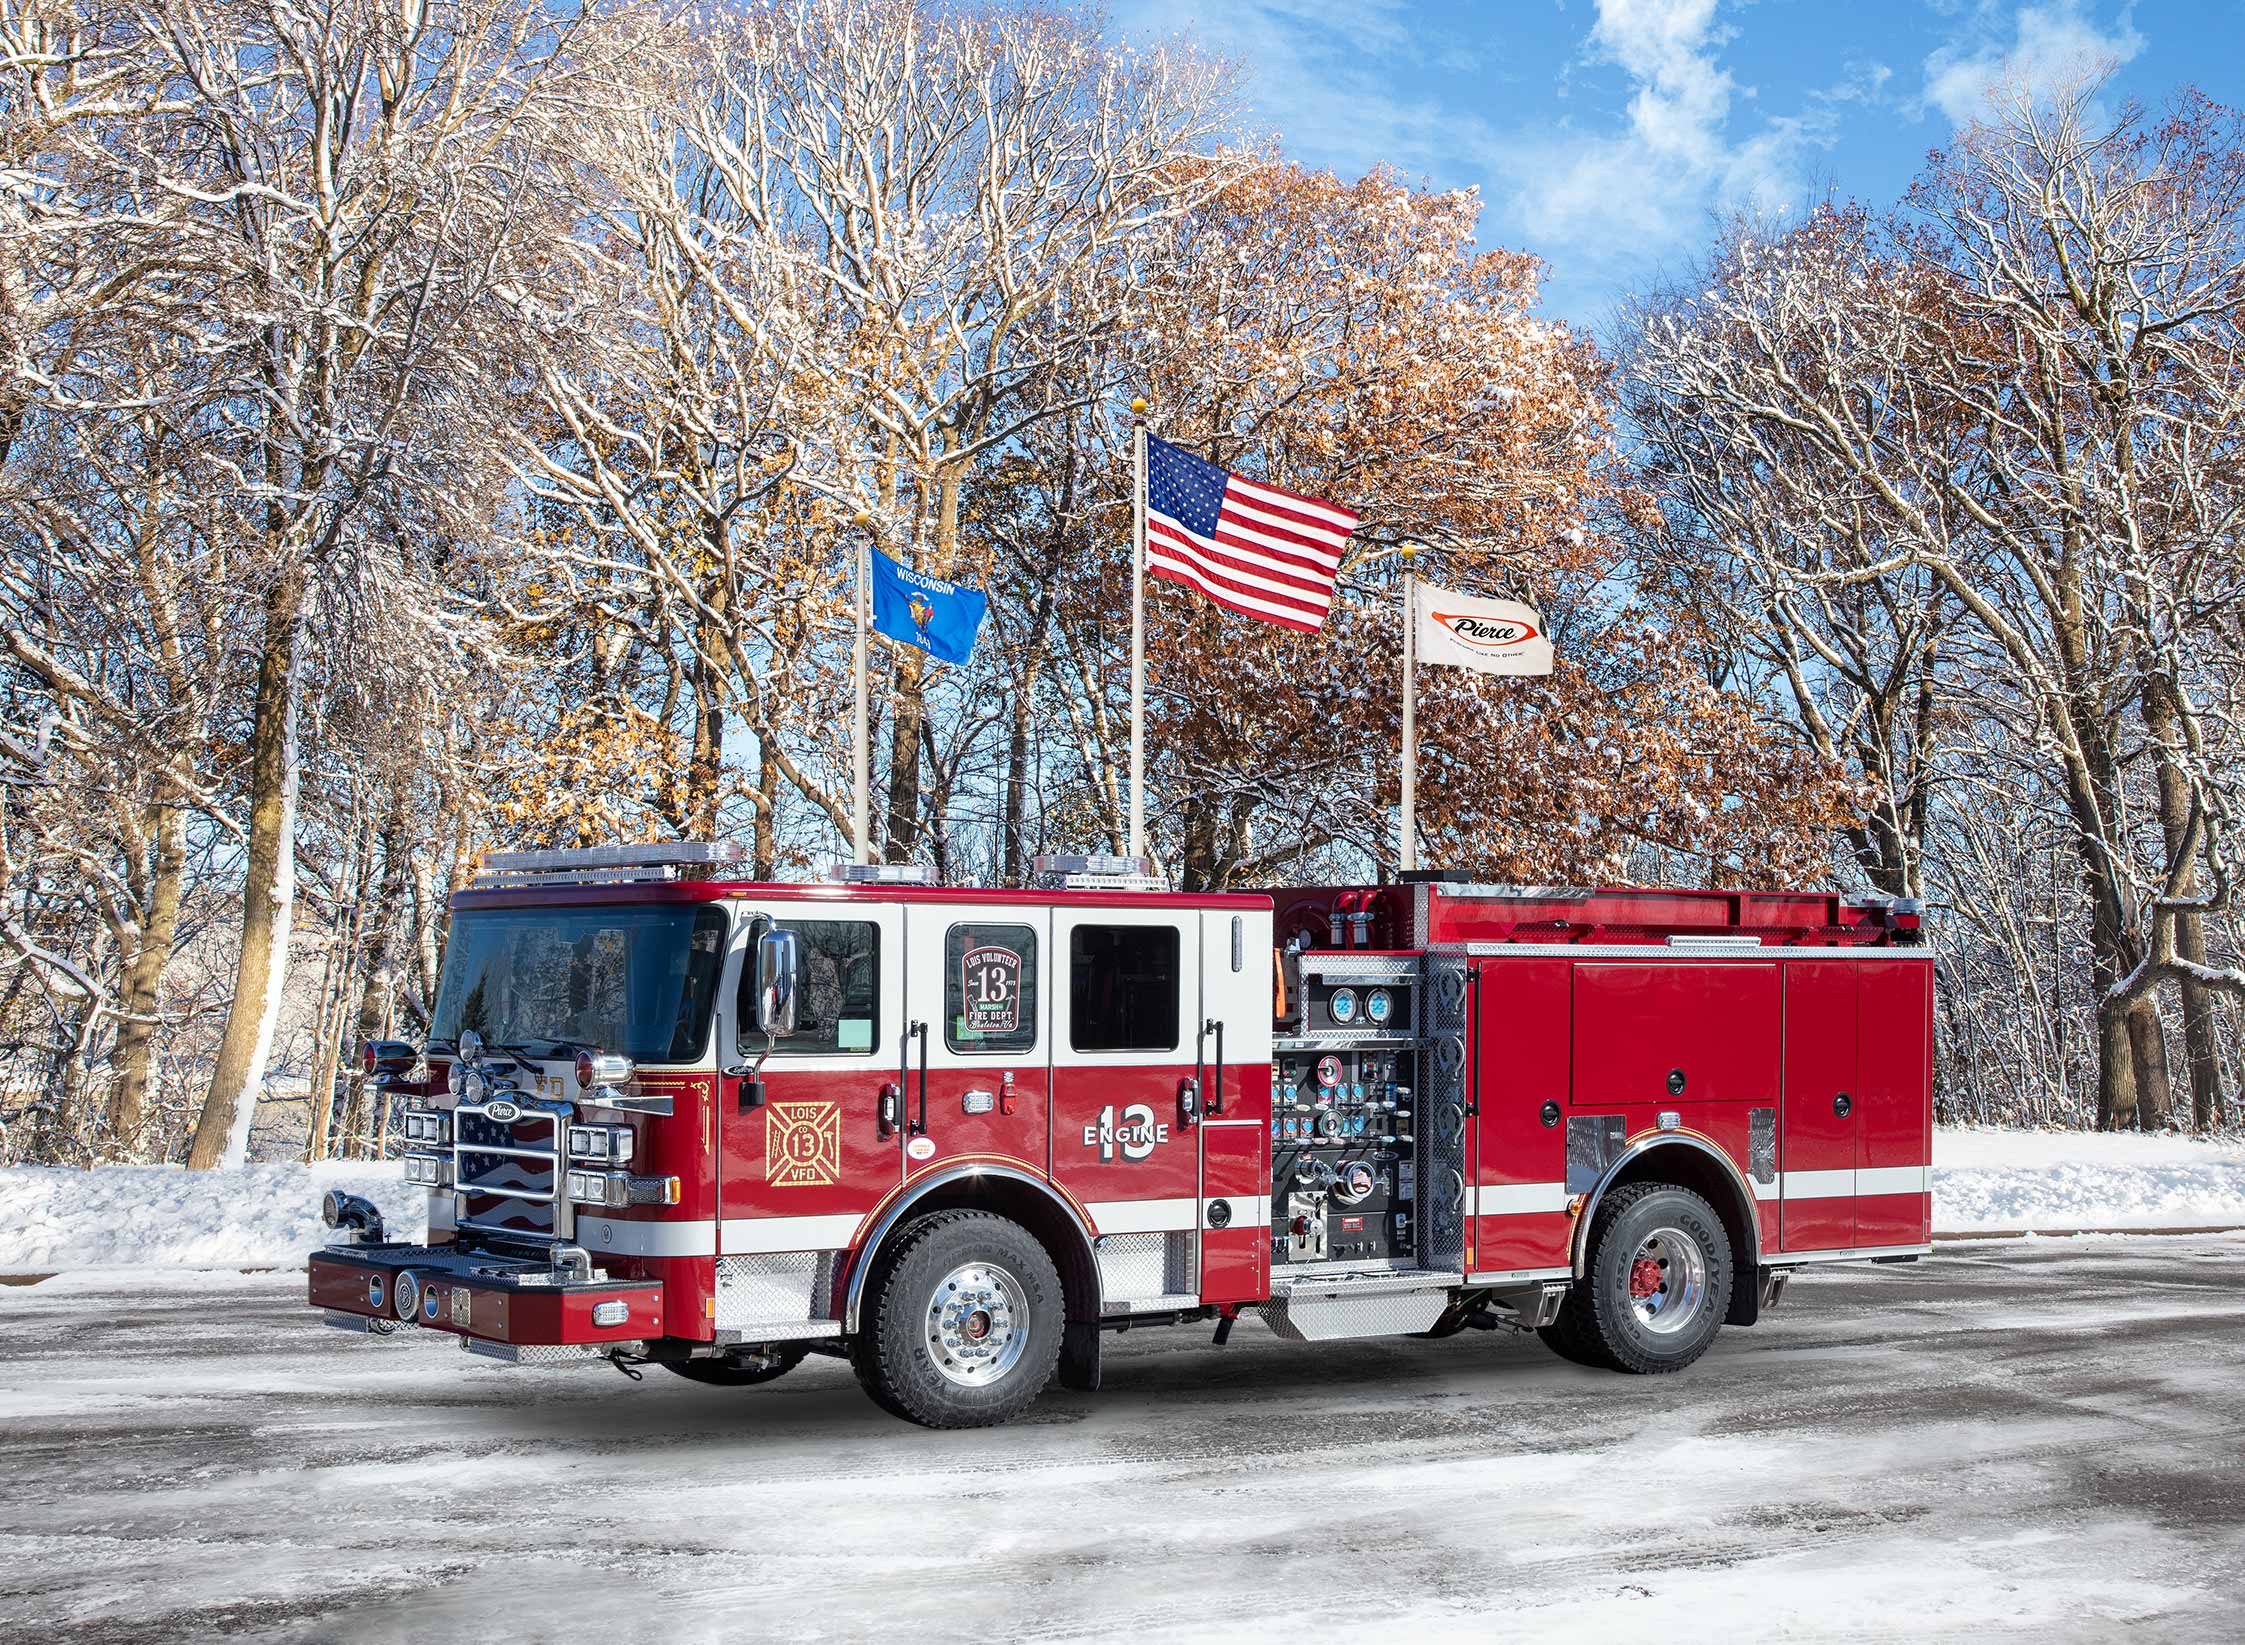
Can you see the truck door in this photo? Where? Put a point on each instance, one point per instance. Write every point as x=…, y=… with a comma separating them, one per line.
x=1819, y=1119
x=801, y=1171
x=1234, y=1062
x=979, y=1078
x=1124, y=1042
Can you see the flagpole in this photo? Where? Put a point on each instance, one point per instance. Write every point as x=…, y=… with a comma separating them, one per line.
x=1407, y=855
x=861, y=802
x=1138, y=628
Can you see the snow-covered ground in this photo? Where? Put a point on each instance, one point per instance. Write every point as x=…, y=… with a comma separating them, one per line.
x=1986, y=1180
x=2014, y=1443
x=266, y=1216
x=118, y=1216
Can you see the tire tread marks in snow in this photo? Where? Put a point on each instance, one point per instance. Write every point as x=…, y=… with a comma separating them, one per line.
x=890, y=1353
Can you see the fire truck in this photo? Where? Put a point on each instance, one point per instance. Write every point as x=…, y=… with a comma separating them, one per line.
x=668, y=1115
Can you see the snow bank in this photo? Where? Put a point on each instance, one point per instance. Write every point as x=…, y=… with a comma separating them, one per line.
x=1988, y=1180
x=117, y=1216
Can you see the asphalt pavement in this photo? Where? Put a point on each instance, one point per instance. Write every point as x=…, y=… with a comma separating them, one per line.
x=2039, y=1440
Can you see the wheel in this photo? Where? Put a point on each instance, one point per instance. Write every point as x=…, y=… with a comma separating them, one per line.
x=962, y=1321
x=1657, y=1286
x=772, y=1362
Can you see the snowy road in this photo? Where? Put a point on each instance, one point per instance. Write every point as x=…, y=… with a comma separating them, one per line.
x=2037, y=1441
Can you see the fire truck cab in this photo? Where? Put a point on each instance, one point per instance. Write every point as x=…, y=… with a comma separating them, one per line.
x=668, y=1115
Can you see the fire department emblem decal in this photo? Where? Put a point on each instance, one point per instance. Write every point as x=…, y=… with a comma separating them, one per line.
x=803, y=1144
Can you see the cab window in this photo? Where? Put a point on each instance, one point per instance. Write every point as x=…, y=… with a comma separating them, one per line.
x=1122, y=987
x=838, y=991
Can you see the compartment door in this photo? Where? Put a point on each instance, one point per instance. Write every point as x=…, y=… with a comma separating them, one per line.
x=1894, y=1090
x=1523, y=1065
x=1235, y=1210
x=1819, y=1116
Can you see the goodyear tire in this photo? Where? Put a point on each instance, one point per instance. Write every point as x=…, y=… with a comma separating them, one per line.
x=725, y=1373
x=961, y=1322
x=1658, y=1284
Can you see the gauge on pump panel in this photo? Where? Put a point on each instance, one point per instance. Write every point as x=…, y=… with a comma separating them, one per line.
x=1328, y=1072
x=1343, y=1005
x=1379, y=1006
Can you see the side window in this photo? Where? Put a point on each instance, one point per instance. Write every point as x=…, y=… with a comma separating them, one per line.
x=990, y=988
x=838, y=995
x=1122, y=988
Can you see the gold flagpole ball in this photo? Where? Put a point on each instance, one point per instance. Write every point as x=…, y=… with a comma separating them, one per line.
x=1138, y=408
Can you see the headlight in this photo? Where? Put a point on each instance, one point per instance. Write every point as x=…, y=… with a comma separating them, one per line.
x=428, y=1170
x=611, y=1144
x=427, y=1125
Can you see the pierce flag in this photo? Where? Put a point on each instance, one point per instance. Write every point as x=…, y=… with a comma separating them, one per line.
x=1492, y=636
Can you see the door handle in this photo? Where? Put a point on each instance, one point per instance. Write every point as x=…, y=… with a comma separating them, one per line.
x=920, y=1125
x=1843, y=1105
x=1216, y=1092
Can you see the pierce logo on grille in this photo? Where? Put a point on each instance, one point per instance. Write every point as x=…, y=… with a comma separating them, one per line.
x=803, y=1144
x=505, y=1112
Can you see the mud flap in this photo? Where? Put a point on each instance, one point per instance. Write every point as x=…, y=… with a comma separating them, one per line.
x=1079, y=1356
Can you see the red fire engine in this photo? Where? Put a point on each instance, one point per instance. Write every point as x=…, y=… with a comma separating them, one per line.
x=666, y=1115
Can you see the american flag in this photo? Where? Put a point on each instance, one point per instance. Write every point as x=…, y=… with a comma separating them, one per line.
x=1250, y=547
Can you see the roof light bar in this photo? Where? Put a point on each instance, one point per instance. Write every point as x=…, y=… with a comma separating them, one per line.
x=882, y=873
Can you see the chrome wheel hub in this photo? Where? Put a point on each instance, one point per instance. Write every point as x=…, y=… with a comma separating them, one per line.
x=1667, y=1280
x=977, y=1324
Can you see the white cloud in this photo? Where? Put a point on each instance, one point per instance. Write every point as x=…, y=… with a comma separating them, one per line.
x=1617, y=196
x=2049, y=46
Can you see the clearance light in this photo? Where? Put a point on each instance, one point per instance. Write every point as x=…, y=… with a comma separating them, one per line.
x=611, y=1313
x=607, y=1143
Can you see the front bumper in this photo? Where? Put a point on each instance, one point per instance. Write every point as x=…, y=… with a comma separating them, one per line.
x=515, y=1310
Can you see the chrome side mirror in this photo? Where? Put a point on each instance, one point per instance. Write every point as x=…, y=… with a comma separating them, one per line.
x=779, y=957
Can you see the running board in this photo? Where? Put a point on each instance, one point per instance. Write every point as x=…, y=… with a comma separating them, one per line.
x=1369, y=1305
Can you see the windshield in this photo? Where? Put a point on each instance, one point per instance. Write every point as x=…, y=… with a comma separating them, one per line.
x=639, y=981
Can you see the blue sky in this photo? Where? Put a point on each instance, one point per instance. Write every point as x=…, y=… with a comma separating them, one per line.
x=1605, y=135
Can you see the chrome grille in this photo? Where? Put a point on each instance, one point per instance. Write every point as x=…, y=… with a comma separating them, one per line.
x=508, y=1166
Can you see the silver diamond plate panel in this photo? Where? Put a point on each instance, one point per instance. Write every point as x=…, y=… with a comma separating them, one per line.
x=1761, y=1143
x=777, y=1295
x=548, y=1353
x=1445, y=1002
x=1354, y=967
x=1594, y=1142
x=1322, y=1314
x=1138, y=1266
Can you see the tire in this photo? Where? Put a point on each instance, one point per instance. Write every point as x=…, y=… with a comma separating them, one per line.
x=725, y=1373
x=1657, y=1286
x=962, y=1321
x=1564, y=1337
